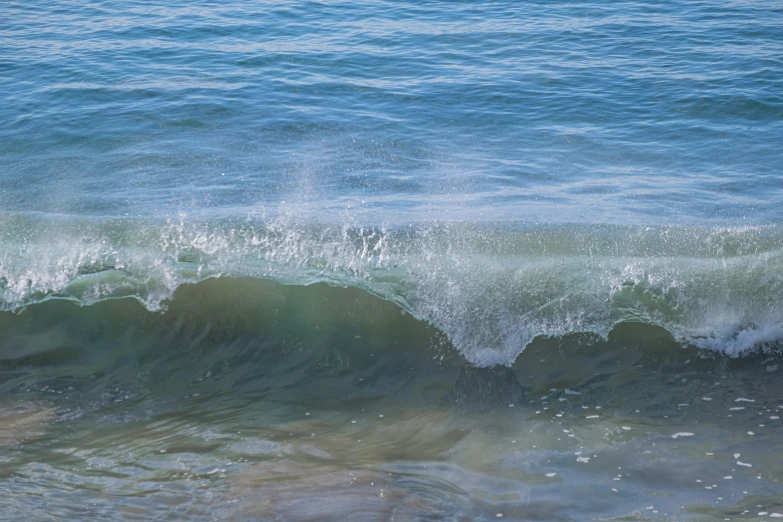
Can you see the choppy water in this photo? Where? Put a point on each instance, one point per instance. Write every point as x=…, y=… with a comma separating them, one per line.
x=230, y=230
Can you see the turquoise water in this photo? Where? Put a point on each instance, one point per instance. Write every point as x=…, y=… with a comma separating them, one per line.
x=411, y=261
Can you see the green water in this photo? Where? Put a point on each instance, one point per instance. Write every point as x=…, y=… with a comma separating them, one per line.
x=248, y=400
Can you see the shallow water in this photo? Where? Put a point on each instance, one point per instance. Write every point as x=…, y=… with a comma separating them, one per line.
x=251, y=400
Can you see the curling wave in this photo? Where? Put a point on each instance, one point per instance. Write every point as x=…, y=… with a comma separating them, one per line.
x=491, y=288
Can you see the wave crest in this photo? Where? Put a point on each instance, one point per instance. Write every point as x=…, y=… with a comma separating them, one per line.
x=490, y=288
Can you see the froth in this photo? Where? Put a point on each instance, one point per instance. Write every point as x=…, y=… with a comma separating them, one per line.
x=490, y=288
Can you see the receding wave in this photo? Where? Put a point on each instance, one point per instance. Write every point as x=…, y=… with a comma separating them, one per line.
x=490, y=288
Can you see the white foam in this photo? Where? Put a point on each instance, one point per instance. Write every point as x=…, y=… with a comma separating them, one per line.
x=490, y=290
x=740, y=342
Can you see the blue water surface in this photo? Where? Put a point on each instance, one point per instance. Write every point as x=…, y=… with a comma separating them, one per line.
x=395, y=111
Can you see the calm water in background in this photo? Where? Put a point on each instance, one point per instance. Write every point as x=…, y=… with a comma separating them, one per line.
x=569, y=111
x=390, y=260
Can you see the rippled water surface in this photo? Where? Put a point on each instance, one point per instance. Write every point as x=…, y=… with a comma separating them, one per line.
x=261, y=406
x=370, y=260
x=608, y=111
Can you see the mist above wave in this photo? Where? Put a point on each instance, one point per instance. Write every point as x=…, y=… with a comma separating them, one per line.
x=491, y=288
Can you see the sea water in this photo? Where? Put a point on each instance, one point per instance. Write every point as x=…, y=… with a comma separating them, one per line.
x=391, y=260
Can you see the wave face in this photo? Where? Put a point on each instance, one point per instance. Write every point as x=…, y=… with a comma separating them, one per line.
x=490, y=288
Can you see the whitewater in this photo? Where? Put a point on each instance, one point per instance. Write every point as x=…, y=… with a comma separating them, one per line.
x=372, y=260
x=490, y=288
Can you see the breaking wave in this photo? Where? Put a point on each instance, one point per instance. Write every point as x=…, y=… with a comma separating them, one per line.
x=490, y=288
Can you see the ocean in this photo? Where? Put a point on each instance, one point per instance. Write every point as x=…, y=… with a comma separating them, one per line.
x=375, y=260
